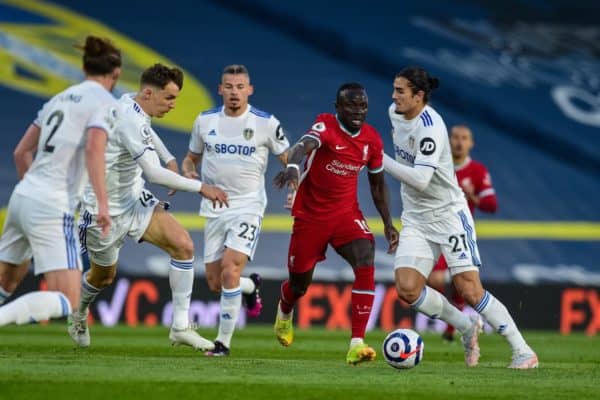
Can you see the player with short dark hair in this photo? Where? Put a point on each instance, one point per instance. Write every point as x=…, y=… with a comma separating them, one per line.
x=232, y=142
x=326, y=210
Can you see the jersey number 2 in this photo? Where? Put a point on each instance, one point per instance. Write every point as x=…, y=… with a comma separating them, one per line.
x=58, y=115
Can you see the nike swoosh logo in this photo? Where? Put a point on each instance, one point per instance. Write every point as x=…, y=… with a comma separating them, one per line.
x=406, y=355
x=339, y=147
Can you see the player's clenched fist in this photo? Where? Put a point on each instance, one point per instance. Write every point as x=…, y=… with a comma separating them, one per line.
x=214, y=194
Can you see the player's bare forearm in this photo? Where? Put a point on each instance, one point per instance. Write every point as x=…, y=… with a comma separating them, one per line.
x=95, y=162
x=289, y=177
x=298, y=151
x=189, y=165
x=26, y=148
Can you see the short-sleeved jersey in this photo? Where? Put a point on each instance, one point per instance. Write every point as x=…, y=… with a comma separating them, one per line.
x=58, y=174
x=131, y=139
x=329, y=180
x=423, y=141
x=473, y=173
x=235, y=153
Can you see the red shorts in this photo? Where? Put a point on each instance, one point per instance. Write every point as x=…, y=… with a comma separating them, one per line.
x=310, y=238
x=441, y=265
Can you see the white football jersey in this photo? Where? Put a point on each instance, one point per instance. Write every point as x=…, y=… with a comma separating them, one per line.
x=58, y=173
x=235, y=154
x=131, y=138
x=423, y=140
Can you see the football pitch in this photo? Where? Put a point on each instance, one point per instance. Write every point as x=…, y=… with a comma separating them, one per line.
x=40, y=362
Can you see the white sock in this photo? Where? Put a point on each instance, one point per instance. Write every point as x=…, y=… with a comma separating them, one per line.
x=35, y=307
x=499, y=318
x=181, y=279
x=283, y=315
x=231, y=302
x=433, y=304
x=5, y=295
x=247, y=285
x=356, y=340
x=88, y=294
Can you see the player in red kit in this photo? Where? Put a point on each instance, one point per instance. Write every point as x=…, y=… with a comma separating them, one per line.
x=326, y=210
x=475, y=181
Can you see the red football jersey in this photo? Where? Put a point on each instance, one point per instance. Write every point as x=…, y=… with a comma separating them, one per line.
x=329, y=179
x=474, y=174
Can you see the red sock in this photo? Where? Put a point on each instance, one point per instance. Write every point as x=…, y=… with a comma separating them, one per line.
x=287, y=298
x=363, y=293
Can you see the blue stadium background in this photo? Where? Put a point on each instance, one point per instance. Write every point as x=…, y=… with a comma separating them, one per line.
x=525, y=75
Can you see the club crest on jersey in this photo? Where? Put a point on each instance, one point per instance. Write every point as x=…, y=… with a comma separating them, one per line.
x=365, y=152
x=248, y=133
x=145, y=132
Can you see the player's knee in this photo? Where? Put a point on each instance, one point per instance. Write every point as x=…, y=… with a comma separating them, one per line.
x=8, y=285
x=102, y=280
x=230, y=277
x=470, y=289
x=408, y=291
x=471, y=294
x=214, y=283
x=436, y=280
x=184, y=246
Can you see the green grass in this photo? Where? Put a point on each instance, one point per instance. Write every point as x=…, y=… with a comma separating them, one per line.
x=39, y=362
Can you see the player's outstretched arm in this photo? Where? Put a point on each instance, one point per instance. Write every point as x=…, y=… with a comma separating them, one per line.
x=418, y=176
x=290, y=176
x=26, y=148
x=381, y=198
x=165, y=156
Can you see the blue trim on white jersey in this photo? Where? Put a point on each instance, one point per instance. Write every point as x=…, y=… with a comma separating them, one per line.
x=212, y=111
x=426, y=165
x=260, y=219
x=87, y=220
x=426, y=118
x=470, y=241
x=143, y=151
x=70, y=244
x=260, y=113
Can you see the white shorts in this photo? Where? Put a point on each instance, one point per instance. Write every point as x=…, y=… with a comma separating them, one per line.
x=36, y=229
x=235, y=231
x=420, y=245
x=104, y=251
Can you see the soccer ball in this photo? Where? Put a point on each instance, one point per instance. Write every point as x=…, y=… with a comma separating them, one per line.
x=403, y=348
